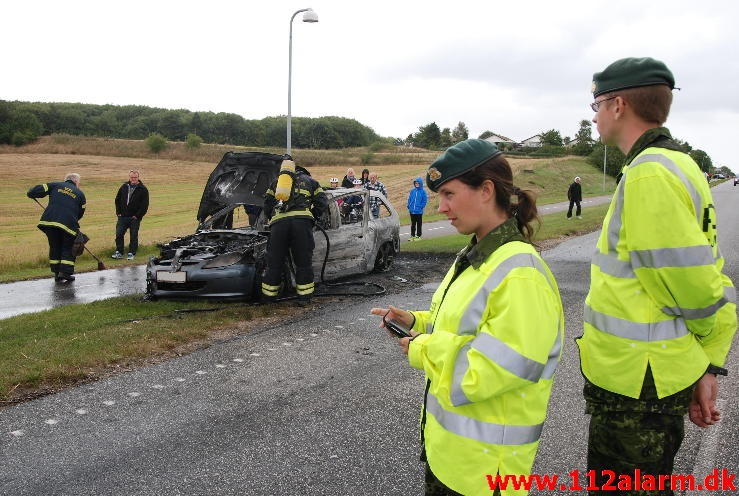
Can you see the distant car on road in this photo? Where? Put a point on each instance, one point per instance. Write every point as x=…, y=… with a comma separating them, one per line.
x=225, y=257
x=718, y=175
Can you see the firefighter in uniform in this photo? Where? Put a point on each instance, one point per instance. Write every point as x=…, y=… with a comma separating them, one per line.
x=660, y=315
x=492, y=338
x=60, y=222
x=291, y=228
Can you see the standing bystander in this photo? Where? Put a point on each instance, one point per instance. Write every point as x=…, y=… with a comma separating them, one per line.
x=131, y=204
x=417, y=199
x=574, y=194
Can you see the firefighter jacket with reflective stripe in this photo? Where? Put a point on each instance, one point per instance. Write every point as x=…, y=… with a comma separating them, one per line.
x=657, y=293
x=306, y=200
x=492, y=339
x=66, y=205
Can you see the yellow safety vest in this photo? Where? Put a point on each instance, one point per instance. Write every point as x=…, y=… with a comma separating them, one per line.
x=657, y=294
x=492, y=341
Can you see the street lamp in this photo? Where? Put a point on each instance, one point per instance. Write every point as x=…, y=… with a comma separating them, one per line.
x=308, y=16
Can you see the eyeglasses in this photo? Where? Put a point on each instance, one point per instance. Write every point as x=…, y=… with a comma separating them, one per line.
x=596, y=105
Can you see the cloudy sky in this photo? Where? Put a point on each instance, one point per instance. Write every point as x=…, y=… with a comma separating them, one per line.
x=515, y=67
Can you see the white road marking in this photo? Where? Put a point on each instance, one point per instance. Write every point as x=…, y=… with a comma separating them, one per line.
x=271, y=349
x=51, y=421
x=81, y=411
x=18, y=433
x=179, y=379
x=337, y=327
x=238, y=360
x=134, y=394
x=287, y=344
x=300, y=339
x=108, y=402
x=254, y=354
x=362, y=318
x=201, y=372
x=157, y=386
x=314, y=335
x=220, y=366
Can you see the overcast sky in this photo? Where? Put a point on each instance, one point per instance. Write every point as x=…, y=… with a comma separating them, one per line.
x=516, y=67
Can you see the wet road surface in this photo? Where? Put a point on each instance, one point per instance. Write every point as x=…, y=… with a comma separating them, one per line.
x=17, y=298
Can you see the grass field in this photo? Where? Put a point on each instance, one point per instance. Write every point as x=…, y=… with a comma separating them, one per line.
x=176, y=185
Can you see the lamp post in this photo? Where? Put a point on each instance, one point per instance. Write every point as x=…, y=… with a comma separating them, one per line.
x=308, y=16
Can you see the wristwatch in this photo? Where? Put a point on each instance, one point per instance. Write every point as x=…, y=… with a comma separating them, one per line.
x=712, y=369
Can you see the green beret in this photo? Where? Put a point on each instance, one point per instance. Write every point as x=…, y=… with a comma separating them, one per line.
x=458, y=159
x=632, y=73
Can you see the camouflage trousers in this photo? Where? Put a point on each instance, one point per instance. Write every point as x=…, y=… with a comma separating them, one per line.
x=627, y=434
x=434, y=487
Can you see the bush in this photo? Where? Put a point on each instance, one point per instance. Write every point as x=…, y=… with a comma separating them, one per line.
x=194, y=141
x=366, y=158
x=20, y=138
x=156, y=142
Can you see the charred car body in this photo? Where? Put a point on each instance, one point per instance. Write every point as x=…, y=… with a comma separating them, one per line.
x=225, y=257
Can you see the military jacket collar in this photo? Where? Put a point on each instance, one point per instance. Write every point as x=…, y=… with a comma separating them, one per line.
x=476, y=252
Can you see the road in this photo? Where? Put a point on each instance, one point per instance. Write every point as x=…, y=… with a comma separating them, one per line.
x=444, y=227
x=22, y=297
x=323, y=404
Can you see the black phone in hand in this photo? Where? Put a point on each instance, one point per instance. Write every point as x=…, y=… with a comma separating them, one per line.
x=396, y=327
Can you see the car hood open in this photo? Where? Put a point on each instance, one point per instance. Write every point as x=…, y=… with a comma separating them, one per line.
x=239, y=178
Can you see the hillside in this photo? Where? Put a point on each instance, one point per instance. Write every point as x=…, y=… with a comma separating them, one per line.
x=176, y=185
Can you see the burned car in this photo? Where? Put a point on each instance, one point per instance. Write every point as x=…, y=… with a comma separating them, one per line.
x=225, y=257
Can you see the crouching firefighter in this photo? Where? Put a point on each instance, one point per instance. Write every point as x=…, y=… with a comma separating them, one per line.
x=290, y=205
x=60, y=222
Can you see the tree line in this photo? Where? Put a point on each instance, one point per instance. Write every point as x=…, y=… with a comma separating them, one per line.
x=22, y=122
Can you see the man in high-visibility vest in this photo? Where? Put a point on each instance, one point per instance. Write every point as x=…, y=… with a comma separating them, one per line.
x=660, y=315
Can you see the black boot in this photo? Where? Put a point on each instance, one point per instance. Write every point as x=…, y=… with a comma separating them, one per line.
x=66, y=277
x=57, y=277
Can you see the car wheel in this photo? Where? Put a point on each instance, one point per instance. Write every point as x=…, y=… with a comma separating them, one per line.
x=385, y=258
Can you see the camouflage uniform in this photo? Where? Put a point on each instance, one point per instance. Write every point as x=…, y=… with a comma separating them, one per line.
x=627, y=433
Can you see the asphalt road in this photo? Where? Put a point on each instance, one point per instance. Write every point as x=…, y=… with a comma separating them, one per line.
x=22, y=297
x=323, y=404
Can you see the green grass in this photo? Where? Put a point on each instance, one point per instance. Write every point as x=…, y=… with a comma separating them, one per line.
x=553, y=225
x=43, y=351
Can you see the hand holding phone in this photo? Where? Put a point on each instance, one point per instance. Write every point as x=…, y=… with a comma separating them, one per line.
x=396, y=327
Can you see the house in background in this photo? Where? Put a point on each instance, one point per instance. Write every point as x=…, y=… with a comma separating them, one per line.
x=532, y=142
x=501, y=141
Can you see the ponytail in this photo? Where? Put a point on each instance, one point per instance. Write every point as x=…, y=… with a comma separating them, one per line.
x=499, y=172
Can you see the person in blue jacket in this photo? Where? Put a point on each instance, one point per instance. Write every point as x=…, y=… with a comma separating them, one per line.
x=417, y=199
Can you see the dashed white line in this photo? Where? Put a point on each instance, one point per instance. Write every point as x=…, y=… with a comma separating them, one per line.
x=51, y=421
x=271, y=349
x=108, y=402
x=179, y=379
x=157, y=386
x=134, y=394
x=287, y=344
x=238, y=360
x=254, y=354
x=18, y=433
x=313, y=335
x=201, y=372
x=299, y=339
x=81, y=411
x=220, y=366
x=337, y=327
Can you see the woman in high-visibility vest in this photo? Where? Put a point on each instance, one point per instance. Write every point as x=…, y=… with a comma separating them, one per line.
x=492, y=337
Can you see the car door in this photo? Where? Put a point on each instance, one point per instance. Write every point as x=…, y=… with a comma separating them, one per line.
x=346, y=231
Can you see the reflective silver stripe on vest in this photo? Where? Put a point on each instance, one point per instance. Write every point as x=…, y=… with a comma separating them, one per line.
x=610, y=264
x=696, y=313
x=730, y=293
x=495, y=350
x=688, y=256
x=478, y=430
x=638, y=331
